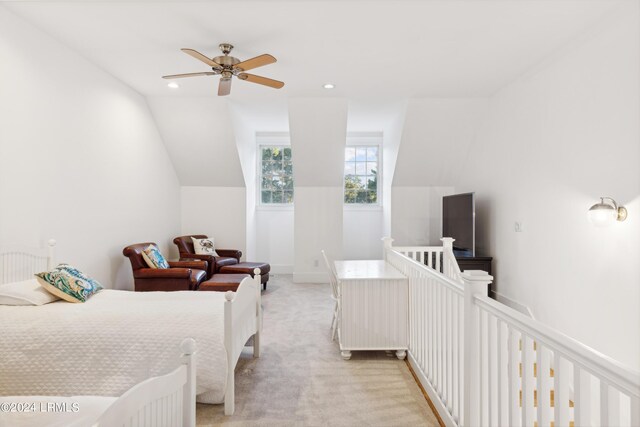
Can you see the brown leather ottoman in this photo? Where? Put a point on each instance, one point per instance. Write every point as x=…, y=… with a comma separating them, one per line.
x=247, y=268
x=223, y=282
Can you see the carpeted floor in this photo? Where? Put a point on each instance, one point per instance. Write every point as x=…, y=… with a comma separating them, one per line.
x=301, y=380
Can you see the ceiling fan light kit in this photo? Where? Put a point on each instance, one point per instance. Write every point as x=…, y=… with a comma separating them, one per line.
x=227, y=67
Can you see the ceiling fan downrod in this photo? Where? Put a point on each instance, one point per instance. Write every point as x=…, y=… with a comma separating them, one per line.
x=226, y=48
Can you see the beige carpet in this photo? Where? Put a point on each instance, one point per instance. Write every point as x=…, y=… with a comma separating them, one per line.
x=301, y=380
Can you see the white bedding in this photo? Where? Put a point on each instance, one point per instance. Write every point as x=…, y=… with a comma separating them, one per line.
x=113, y=341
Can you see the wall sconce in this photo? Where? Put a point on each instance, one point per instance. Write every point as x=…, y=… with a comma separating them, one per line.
x=606, y=212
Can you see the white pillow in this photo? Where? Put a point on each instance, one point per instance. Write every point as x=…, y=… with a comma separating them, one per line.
x=27, y=292
x=204, y=247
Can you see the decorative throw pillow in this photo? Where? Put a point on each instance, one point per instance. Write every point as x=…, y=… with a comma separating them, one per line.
x=154, y=258
x=27, y=292
x=68, y=283
x=204, y=247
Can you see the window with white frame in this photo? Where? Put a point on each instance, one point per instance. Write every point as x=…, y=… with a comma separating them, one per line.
x=276, y=175
x=361, y=176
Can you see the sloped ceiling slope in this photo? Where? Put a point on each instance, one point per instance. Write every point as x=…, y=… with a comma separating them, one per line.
x=435, y=140
x=251, y=117
x=198, y=134
x=385, y=115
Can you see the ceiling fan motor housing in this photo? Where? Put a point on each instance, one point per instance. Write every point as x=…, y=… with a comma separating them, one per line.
x=226, y=61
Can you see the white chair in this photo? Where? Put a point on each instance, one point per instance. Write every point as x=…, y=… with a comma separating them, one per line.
x=335, y=295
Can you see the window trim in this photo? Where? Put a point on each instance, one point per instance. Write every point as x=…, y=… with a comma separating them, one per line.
x=367, y=139
x=263, y=140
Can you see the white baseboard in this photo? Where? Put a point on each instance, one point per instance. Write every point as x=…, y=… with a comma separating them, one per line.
x=281, y=269
x=311, y=277
x=444, y=414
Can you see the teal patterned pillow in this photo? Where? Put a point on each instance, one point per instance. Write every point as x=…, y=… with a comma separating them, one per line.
x=154, y=258
x=68, y=283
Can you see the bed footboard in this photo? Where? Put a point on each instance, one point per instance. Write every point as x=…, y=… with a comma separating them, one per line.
x=242, y=319
x=166, y=400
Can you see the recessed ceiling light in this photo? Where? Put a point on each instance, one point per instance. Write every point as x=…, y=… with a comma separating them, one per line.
x=173, y=85
x=328, y=86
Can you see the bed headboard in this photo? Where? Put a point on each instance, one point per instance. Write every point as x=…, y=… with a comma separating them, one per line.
x=21, y=263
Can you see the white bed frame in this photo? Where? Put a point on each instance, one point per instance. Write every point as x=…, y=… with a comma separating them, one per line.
x=242, y=309
x=167, y=400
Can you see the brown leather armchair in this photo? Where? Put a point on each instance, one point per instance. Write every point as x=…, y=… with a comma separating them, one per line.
x=182, y=276
x=227, y=256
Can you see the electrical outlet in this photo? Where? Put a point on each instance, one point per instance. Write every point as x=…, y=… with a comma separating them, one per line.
x=316, y=263
x=518, y=227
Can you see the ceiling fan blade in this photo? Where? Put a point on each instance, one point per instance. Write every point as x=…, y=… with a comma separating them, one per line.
x=179, y=76
x=261, y=80
x=258, y=61
x=224, y=88
x=200, y=57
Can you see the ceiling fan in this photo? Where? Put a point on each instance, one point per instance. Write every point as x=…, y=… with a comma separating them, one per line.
x=227, y=66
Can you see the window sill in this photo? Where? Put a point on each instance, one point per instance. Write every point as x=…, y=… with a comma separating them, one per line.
x=275, y=207
x=362, y=207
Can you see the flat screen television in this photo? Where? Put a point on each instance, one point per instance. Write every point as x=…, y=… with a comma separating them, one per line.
x=459, y=222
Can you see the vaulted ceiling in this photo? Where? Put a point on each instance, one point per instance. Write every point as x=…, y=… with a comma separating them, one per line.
x=377, y=53
x=399, y=48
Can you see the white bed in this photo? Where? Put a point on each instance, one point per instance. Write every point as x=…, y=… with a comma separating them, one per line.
x=118, y=338
x=167, y=400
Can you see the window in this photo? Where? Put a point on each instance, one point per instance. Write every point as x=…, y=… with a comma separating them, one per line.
x=361, y=174
x=276, y=175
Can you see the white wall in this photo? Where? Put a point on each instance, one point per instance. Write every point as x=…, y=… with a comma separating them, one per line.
x=557, y=139
x=81, y=159
x=218, y=212
x=317, y=225
x=417, y=215
x=318, y=129
x=275, y=239
x=362, y=233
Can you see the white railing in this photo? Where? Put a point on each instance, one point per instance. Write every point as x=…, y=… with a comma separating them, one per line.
x=483, y=363
x=428, y=255
x=589, y=388
x=436, y=341
x=440, y=258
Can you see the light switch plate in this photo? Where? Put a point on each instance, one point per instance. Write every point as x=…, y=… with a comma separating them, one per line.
x=518, y=227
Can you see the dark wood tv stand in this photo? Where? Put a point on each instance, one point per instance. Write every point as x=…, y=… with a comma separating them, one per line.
x=476, y=263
